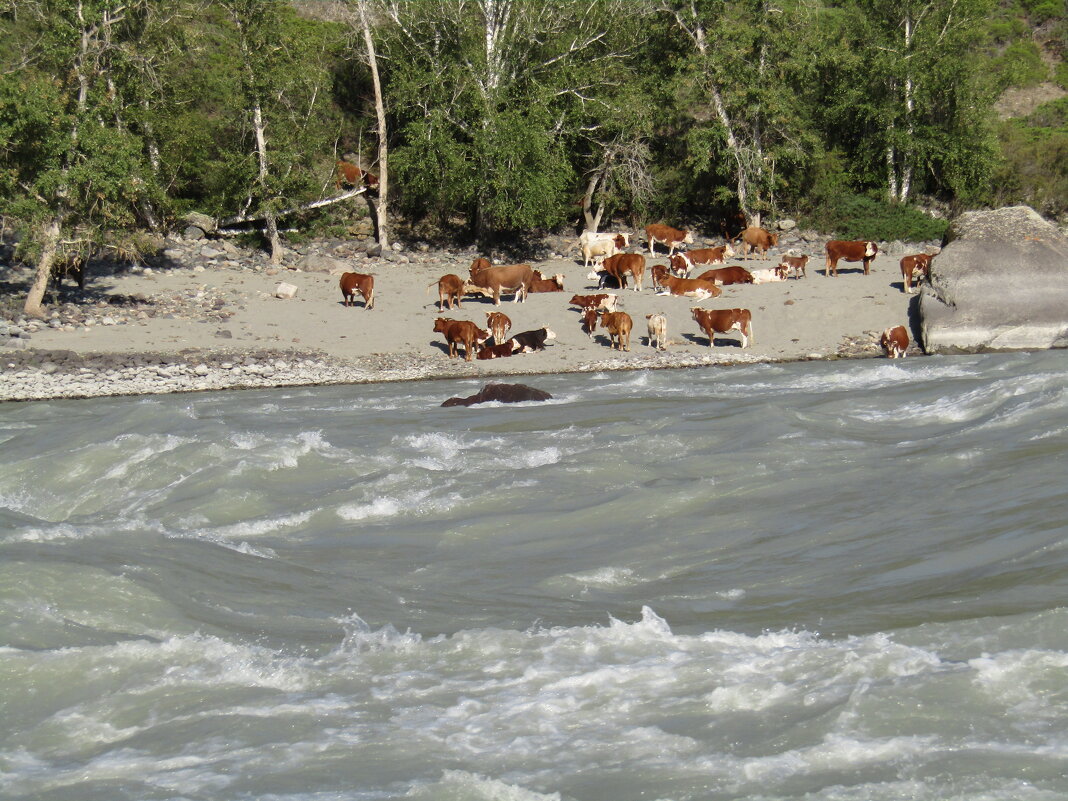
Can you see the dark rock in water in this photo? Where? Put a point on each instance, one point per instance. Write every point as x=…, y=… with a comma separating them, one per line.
x=502, y=393
x=1000, y=283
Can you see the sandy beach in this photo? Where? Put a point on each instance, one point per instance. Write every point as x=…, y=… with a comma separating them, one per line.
x=218, y=322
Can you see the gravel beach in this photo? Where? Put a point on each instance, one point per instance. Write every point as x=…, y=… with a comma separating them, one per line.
x=203, y=315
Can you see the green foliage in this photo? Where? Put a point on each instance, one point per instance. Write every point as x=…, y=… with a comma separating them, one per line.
x=864, y=217
x=1060, y=74
x=1034, y=170
x=1019, y=65
x=1041, y=10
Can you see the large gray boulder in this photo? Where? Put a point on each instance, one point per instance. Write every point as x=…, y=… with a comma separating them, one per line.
x=1000, y=283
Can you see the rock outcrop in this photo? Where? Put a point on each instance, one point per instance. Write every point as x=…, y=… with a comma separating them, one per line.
x=1000, y=283
x=502, y=393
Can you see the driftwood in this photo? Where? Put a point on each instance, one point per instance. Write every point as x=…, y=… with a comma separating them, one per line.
x=210, y=225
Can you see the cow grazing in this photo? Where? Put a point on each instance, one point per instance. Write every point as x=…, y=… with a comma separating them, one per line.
x=605, y=280
x=722, y=276
x=499, y=351
x=757, y=239
x=348, y=174
x=450, y=288
x=669, y=237
x=460, y=332
x=793, y=264
x=530, y=341
x=839, y=249
x=498, y=324
x=621, y=265
x=603, y=301
x=657, y=327
x=595, y=247
x=688, y=287
x=543, y=284
x=915, y=268
x=589, y=321
x=515, y=278
x=720, y=321
x=618, y=325
x=351, y=283
x=895, y=342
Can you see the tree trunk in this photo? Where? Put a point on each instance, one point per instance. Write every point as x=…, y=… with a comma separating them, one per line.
x=383, y=145
x=34, y=307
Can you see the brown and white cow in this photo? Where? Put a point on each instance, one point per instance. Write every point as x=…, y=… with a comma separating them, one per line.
x=460, y=332
x=758, y=239
x=348, y=174
x=515, y=278
x=601, y=301
x=499, y=351
x=768, y=275
x=793, y=264
x=895, y=342
x=351, y=283
x=848, y=250
x=720, y=321
x=721, y=276
x=656, y=324
x=688, y=287
x=498, y=324
x=618, y=325
x=621, y=265
x=450, y=288
x=595, y=247
x=543, y=284
x=589, y=321
x=916, y=268
x=669, y=237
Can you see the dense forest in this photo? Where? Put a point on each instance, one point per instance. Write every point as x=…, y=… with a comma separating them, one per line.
x=489, y=119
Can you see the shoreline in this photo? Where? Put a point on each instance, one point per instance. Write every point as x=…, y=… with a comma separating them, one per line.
x=198, y=319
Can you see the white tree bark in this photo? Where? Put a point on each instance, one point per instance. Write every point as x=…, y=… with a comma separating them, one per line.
x=383, y=140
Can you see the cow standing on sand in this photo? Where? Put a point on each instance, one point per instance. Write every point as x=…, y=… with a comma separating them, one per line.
x=844, y=250
x=720, y=321
x=515, y=278
x=667, y=236
x=351, y=283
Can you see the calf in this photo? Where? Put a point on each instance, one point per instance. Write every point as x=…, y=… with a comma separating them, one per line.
x=720, y=321
x=351, y=283
x=619, y=325
x=543, y=284
x=669, y=237
x=589, y=321
x=530, y=341
x=793, y=264
x=348, y=174
x=915, y=268
x=602, y=301
x=677, y=265
x=768, y=276
x=657, y=326
x=457, y=332
x=498, y=324
x=450, y=288
x=839, y=249
x=722, y=276
x=895, y=342
x=622, y=264
x=600, y=246
x=498, y=351
x=758, y=239
x=688, y=287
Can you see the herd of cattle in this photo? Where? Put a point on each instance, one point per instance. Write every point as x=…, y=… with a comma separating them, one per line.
x=614, y=266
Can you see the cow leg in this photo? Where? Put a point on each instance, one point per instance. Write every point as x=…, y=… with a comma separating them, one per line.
x=369, y=300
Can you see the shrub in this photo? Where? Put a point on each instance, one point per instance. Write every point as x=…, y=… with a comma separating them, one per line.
x=1020, y=65
x=864, y=217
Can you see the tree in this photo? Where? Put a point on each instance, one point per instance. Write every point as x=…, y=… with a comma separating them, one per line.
x=73, y=168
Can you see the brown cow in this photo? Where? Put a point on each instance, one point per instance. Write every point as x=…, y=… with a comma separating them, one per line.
x=709, y=255
x=793, y=264
x=543, y=284
x=351, y=283
x=720, y=321
x=499, y=351
x=669, y=237
x=688, y=287
x=849, y=251
x=895, y=342
x=515, y=278
x=348, y=174
x=602, y=301
x=619, y=325
x=459, y=332
x=589, y=321
x=721, y=276
x=498, y=324
x=915, y=268
x=450, y=288
x=758, y=239
x=619, y=265
x=733, y=224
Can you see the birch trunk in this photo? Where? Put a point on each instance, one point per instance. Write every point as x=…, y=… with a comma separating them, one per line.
x=34, y=299
x=270, y=219
x=383, y=145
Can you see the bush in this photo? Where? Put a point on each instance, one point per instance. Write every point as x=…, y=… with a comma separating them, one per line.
x=864, y=217
x=1020, y=65
x=1034, y=169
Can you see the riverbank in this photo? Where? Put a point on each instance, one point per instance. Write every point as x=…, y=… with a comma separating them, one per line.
x=203, y=315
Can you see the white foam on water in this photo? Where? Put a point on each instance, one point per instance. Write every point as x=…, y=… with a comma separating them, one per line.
x=1022, y=679
x=605, y=577
x=459, y=785
x=146, y=448
x=414, y=502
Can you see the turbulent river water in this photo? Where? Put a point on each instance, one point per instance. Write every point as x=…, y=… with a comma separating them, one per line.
x=840, y=581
